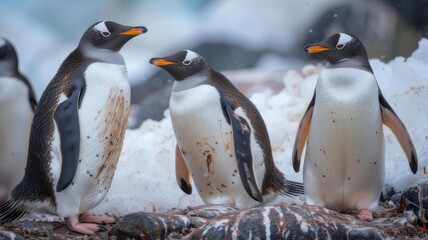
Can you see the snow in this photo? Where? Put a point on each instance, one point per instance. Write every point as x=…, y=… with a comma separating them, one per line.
x=145, y=176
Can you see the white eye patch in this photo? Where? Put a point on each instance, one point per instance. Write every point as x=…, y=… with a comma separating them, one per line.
x=343, y=39
x=102, y=28
x=190, y=56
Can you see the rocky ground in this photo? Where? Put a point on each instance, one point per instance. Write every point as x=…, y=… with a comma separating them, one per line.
x=221, y=222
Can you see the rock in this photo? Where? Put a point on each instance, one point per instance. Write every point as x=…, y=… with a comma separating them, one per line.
x=287, y=222
x=211, y=211
x=174, y=224
x=225, y=222
x=387, y=192
x=46, y=230
x=33, y=228
x=4, y=235
x=364, y=233
x=396, y=198
x=415, y=199
x=143, y=225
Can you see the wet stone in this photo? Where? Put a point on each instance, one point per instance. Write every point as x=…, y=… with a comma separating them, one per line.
x=211, y=211
x=287, y=222
x=396, y=198
x=4, y=235
x=225, y=222
x=387, y=192
x=415, y=199
x=142, y=225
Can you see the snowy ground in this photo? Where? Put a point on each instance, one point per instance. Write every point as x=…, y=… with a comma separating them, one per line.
x=145, y=176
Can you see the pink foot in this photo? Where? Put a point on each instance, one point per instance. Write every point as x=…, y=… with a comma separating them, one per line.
x=365, y=215
x=84, y=228
x=88, y=217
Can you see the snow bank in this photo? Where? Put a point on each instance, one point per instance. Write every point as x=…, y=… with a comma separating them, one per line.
x=145, y=176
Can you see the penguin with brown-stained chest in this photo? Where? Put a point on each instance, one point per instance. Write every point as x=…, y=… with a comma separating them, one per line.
x=344, y=165
x=17, y=105
x=222, y=140
x=77, y=133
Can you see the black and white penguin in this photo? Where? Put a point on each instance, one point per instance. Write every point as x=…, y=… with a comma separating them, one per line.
x=344, y=165
x=222, y=140
x=17, y=105
x=77, y=132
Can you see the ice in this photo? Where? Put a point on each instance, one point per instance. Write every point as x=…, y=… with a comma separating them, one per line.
x=145, y=176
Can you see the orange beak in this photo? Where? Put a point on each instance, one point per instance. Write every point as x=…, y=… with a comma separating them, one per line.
x=316, y=48
x=160, y=62
x=134, y=31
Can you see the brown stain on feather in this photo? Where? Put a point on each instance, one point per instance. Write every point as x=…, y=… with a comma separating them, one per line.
x=209, y=160
x=113, y=130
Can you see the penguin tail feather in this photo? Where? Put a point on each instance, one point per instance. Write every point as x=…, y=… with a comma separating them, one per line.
x=293, y=188
x=276, y=182
x=10, y=211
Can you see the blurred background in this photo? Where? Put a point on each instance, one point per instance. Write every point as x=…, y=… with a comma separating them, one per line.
x=236, y=36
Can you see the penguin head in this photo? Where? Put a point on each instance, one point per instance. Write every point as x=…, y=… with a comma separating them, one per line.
x=338, y=47
x=110, y=35
x=183, y=64
x=8, y=56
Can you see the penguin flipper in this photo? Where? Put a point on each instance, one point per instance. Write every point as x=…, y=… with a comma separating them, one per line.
x=394, y=123
x=302, y=135
x=67, y=120
x=182, y=172
x=241, y=132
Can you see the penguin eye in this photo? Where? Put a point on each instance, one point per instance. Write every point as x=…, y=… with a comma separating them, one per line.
x=105, y=34
x=340, y=46
x=187, y=62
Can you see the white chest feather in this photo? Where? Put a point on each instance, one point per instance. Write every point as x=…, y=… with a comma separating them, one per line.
x=206, y=141
x=104, y=113
x=103, y=119
x=16, y=115
x=344, y=161
x=201, y=129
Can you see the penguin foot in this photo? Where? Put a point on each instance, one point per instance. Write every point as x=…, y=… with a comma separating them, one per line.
x=365, y=215
x=85, y=228
x=89, y=217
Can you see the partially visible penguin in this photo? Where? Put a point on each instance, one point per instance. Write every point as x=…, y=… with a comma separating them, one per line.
x=222, y=140
x=17, y=105
x=344, y=165
x=77, y=132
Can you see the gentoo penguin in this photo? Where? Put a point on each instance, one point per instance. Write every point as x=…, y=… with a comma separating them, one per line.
x=17, y=105
x=344, y=165
x=77, y=132
x=222, y=140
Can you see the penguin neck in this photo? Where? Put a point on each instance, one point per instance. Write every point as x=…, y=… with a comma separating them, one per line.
x=7, y=69
x=101, y=54
x=358, y=63
x=190, y=82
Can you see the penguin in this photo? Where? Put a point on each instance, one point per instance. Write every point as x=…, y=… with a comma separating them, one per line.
x=77, y=133
x=344, y=166
x=222, y=140
x=17, y=105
